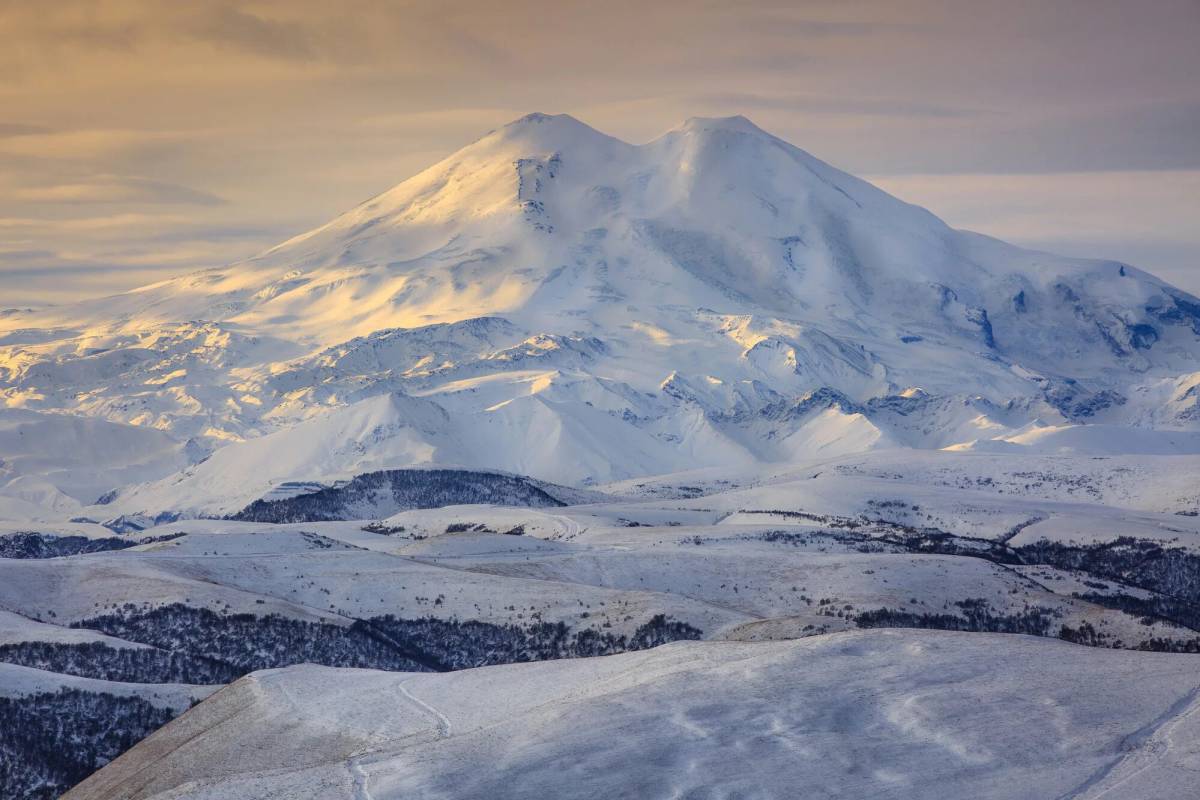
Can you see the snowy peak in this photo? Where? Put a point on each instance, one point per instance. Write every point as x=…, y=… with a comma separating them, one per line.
x=734, y=124
x=546, y=171
x=550, y=131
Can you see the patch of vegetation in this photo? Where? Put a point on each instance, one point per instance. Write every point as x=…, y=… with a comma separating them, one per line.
x=40, y=545
x=975, y=615
x=210, y=644
x=461, y=645
x=386, y=492
x=53, y=740
x=384, y=530
x=1170, y=571
x=129, y=664
x=245, y=642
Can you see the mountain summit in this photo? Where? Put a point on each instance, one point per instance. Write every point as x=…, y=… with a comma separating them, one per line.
x=554, y=301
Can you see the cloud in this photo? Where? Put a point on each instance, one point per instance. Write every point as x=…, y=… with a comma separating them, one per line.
x=65, y=282
x=116, y=189
x=20, y=129
x=1098, y=205
x=436, y=121
x=73, y=24
x=140, y=227
x=819, y=104
x=228, y=26
x=111, y=222
x=24, y=256
x=89, y=143
x=1097, y=138
x=130, y=26
x=48, y=275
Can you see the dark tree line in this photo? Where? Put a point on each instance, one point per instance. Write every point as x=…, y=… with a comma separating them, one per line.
x=1150, y=609
x=53, y=740
x=202, y=643
x=1171, y=571
x=26, y=544
x=462, y=645
x=976, y=615
x=127, y=664
x=246, y=642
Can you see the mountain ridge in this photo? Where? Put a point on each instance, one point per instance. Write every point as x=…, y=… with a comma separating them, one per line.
x=581, y=309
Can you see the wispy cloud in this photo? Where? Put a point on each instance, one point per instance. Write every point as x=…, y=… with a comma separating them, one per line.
x=89, y=143
x=20, y=129
x=821, y=104
x=110, y=222
x=116, y=189
x=227, y=25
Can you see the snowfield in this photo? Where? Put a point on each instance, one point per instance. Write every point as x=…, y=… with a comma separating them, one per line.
x=573, y=467
x=808, y=654
x=862, y=714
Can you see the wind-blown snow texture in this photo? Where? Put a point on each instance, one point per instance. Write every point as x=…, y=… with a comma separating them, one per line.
x=919, y=715
x=553, y=302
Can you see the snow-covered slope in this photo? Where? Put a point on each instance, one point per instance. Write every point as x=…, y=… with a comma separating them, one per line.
x=554, y=302
x=867, y=714
x=60, y=459
x=1097, y=440
x=1100, y=551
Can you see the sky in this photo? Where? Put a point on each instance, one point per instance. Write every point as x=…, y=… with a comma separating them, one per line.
x=139, y=140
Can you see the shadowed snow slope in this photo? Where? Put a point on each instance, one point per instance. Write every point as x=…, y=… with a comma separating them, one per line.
x=552, y=301
x=864, y=714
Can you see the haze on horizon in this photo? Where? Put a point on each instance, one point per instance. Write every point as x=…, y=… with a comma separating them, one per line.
x=140, y=140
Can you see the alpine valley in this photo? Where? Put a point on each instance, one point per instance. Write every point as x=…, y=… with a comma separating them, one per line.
x=788, y=488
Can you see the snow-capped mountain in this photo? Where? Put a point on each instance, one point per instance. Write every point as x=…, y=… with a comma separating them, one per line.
x=554, y=302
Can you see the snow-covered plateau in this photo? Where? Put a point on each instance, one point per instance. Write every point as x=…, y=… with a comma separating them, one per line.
x=697, y=468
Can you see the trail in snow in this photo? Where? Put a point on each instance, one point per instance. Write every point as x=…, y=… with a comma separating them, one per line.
x=1143, y=749
x=358, y=765
x=361, y=790
x=570, y=528
x=443, y=724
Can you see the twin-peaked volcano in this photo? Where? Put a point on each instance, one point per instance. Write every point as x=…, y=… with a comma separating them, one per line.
x=546, y=219
x=554, y=301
